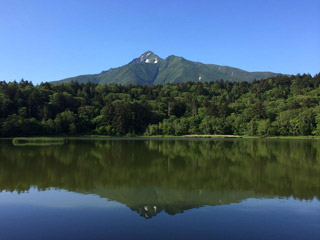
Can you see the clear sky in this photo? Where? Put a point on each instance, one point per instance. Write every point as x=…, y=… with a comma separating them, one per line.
x=49, y=40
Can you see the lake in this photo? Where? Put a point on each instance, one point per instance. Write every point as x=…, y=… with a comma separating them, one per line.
x=161, y=189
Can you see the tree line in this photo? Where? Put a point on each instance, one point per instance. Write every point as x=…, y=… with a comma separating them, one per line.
x=282, y=105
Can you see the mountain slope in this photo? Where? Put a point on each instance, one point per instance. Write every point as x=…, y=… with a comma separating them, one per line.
x=151, y=69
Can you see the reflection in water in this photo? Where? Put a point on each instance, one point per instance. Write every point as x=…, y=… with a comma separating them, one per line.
x=151, y=176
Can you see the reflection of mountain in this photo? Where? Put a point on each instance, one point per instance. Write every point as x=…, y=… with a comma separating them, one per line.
x=167, y=174
x=150, y=201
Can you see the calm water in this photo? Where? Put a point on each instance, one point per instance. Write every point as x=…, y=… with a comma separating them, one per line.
x=154, y=189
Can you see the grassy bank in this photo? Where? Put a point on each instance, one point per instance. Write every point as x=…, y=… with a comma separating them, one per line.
x=294, y=137
x=21, y=141
x=194, y=136
x=211, y=136
x=61, y=140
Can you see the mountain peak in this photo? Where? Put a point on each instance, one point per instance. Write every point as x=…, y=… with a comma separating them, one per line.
x=149, y=68
x=147, y=57
x=147, y=53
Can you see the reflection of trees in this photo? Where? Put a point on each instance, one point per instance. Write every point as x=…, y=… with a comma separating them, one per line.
x=283, y=168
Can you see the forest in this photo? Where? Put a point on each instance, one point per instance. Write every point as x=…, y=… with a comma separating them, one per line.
x=280, y=106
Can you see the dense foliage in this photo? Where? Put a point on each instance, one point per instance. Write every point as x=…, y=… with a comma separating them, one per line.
x=283, y=105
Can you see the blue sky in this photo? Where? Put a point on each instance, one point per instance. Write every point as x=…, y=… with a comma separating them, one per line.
x=50, y=40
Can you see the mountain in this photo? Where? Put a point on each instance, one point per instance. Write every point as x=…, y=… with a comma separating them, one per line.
x=151, y=69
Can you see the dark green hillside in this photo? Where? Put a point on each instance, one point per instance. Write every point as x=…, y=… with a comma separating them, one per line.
x=151, y=69
x=93, y=78
x=143, y=74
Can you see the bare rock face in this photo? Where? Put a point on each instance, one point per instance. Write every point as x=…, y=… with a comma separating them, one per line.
x=147, y=57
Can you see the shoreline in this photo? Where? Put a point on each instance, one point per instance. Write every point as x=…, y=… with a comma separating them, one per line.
x=163, y=137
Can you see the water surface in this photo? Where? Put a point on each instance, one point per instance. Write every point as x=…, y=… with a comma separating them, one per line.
x=161, y=189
